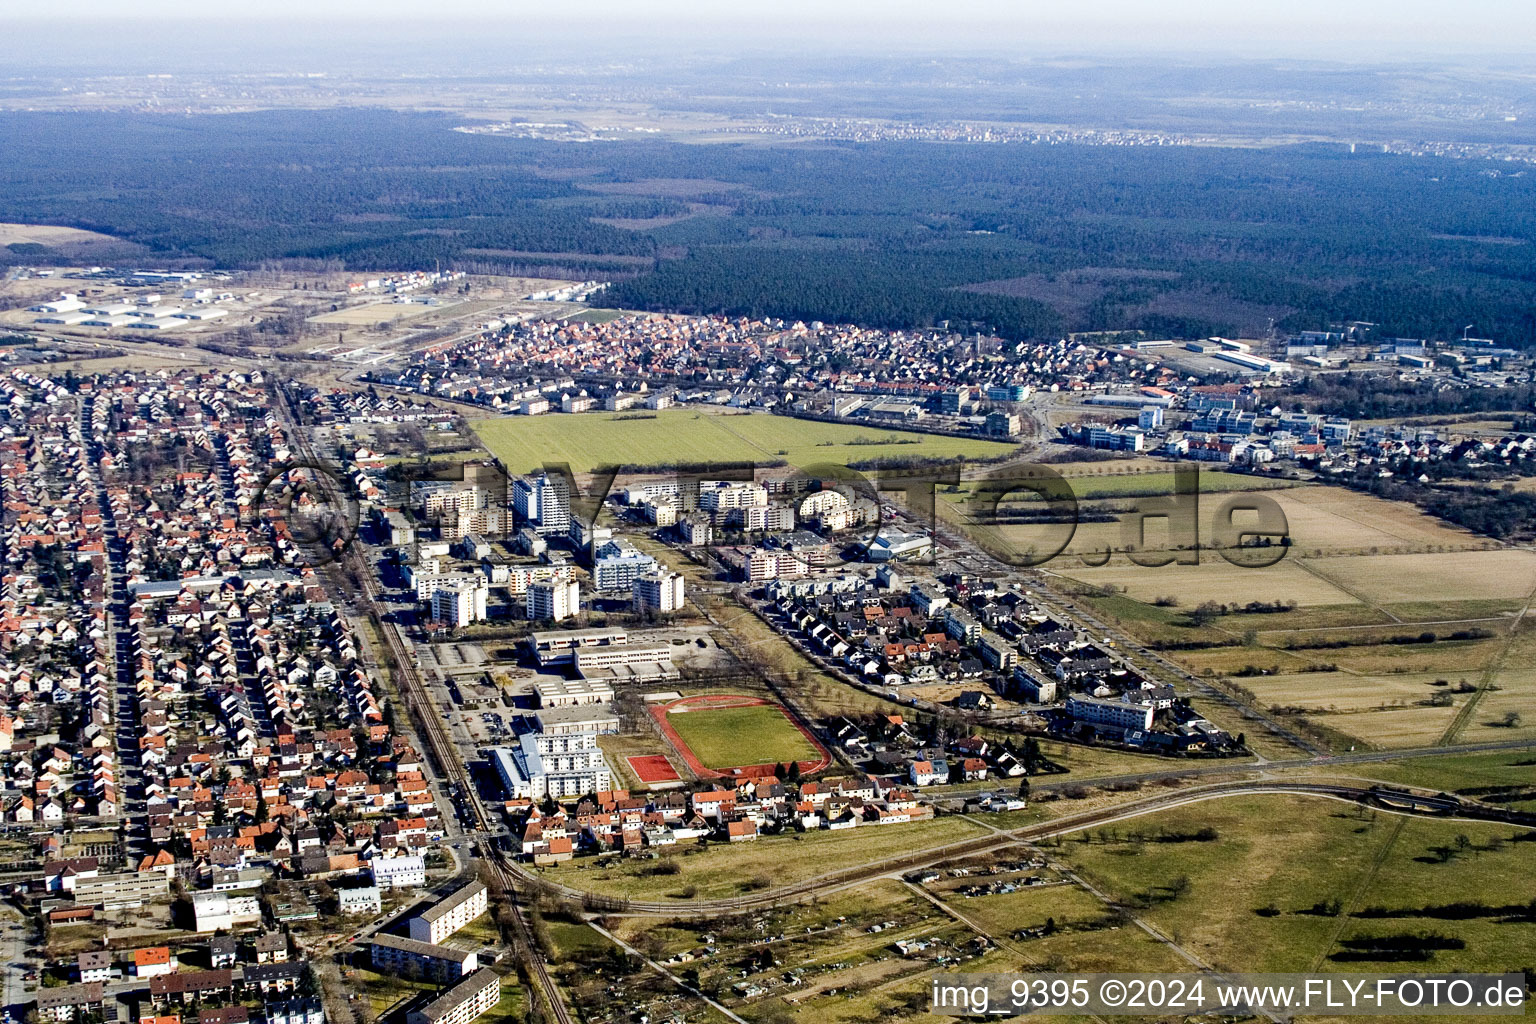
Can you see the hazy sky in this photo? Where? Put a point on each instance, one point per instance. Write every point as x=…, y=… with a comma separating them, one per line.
x=1363, y=29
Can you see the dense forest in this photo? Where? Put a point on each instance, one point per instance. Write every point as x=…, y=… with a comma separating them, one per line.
x=1026, y=240
x=1372, y=396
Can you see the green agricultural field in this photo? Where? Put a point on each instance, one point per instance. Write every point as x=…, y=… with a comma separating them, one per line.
x=1154, y=483
x=1259, y=895
x=1491, y=777
x=675, y=436
x=732, y=737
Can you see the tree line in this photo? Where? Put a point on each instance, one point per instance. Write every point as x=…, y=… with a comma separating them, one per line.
x=1178, y=241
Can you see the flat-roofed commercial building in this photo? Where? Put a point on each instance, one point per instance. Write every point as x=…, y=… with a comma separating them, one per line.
x=566, y=693
x=62, y=304
x=553, y=646
x=121, y=889
x=600, y=666
x=222, y=911
x=598, y=718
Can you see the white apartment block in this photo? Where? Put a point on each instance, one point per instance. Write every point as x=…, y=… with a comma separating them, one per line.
x=398, y=872
x=542, y=502
x=552, y=764
x=462, y=602
x=662, y=512
x=659, y=592
x=521, y=577
x=724, y=495
x=822, y=503
x=295, y=1011
x=446, y=504
x=449, y=914
x=462, y=1003
x=618, y=563
x=363, y=900
x=1119, y=713
x=765, y=518
x=427, y=578
x=553, y=601
x=490, y=521
x=696, y=530
x=411, y=958
x=771, y=565
x=651, y=491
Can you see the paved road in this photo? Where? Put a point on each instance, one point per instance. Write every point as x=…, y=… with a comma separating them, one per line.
x=355, y=580
x=13, y=946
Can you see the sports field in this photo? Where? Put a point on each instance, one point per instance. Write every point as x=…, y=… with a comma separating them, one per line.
x=715, y=734
x=674, y=436
x=653, y=768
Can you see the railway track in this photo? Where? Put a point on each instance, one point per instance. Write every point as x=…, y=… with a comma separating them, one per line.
x=846, y=878
x=353, y=574
x=511, y=881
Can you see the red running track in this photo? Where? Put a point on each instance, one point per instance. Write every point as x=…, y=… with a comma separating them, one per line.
x=732, y=700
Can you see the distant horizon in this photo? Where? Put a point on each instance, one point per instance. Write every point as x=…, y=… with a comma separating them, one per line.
x=1366, y=32
x=33, y=50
